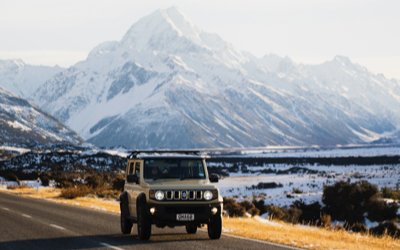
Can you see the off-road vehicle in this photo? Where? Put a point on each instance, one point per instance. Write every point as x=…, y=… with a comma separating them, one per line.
x=170, y=188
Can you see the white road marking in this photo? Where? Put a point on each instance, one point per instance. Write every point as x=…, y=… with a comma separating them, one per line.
x=58, y=227
x=6, y=208
x=27, y=216
x=110, y=246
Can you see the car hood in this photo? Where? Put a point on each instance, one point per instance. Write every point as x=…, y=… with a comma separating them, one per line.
x=180, y=184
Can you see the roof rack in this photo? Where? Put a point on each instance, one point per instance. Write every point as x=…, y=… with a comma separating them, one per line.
x=134, y=154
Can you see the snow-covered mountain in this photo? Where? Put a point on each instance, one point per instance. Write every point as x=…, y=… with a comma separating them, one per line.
x=169, y=84
x=24, y=79
x=23, y=122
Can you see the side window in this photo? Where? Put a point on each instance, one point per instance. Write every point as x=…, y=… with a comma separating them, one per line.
x=137, y=169
x=130, y=171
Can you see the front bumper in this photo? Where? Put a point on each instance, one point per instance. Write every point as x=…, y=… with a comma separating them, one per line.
x=165, y=214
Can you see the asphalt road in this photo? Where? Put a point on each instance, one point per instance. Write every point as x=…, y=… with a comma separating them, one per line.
x=27, y=223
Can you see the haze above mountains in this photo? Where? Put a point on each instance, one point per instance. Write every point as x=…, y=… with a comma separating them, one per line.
x=168, y=84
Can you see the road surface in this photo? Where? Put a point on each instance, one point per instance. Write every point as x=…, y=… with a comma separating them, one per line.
x=27, y=223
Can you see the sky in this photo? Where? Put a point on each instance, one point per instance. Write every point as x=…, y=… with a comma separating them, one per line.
x=48, y=32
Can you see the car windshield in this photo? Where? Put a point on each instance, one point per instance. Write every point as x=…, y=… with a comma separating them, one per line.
x=174, y=169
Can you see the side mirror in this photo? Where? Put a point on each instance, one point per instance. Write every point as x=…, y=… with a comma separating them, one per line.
x=214, y=178
x=132, y=178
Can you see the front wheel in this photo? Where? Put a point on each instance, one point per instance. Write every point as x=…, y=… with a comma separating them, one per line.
x=215, y=228
x=143, y=224
x=126, y=224
x=191, y=229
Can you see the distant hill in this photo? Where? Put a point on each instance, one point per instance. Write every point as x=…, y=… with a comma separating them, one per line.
x=23, y=122
x=23, y=79
x=168, y=84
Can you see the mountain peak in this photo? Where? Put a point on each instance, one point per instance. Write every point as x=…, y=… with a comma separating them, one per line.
x=182, y=22
x=14, y=64
x=159, y=29
x=342, y=59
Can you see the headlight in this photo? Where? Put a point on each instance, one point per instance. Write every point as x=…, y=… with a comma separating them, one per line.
x=159, y=195
x=208, y=195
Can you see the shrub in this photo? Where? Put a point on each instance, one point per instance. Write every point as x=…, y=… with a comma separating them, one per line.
x=13, y=177
x=297, y=191
x=63, y=180
x=45, y=181
x=348, y=202
x=118, y=182
x=260, y=205
x=71, y=192
x=359, y=228
x=291, y=215
x=250, y=208
x=275, y=212
x=63, y=183
x=94, y=181
x=390, y=194
x=233, y=208
x=378, y=210
x=310, y=213
x=389, y=228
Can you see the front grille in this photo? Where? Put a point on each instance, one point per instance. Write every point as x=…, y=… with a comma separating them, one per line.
x=169, y=195
x=177, y=195
x=199, y=195
x=183, y=195
x=192, y=195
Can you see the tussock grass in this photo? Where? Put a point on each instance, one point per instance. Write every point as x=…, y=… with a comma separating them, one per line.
x=81, y=191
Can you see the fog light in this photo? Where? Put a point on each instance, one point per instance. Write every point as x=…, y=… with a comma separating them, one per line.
x=152, y=210
x=214, y=210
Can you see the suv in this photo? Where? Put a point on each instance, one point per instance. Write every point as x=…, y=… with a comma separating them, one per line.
x=170, y=188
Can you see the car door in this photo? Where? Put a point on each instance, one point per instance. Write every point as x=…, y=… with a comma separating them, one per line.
x=134, y=189
x=130, y=169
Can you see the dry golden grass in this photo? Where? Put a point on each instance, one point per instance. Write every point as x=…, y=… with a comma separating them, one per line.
x=274, y=231
x=306, y=237
x=53, y=195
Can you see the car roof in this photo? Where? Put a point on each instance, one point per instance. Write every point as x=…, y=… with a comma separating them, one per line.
x=142, y=154
x=174, y=156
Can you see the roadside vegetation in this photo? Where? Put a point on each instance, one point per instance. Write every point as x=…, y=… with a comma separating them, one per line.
x=73, y=185
x=302, y=225
x=352, y=204
x=306, y=236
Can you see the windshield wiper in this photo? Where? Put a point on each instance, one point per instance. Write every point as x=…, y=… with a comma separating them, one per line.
x=166, y=177
x=192, y=177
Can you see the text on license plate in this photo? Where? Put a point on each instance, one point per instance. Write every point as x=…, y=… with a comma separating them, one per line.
x=185, y=217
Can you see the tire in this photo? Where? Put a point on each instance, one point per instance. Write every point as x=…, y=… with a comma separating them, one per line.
x=215, y=228
x=191, y=229
x=126, y=224
x=143, y=224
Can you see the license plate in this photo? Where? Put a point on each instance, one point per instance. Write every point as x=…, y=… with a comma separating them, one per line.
x=185, y=217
